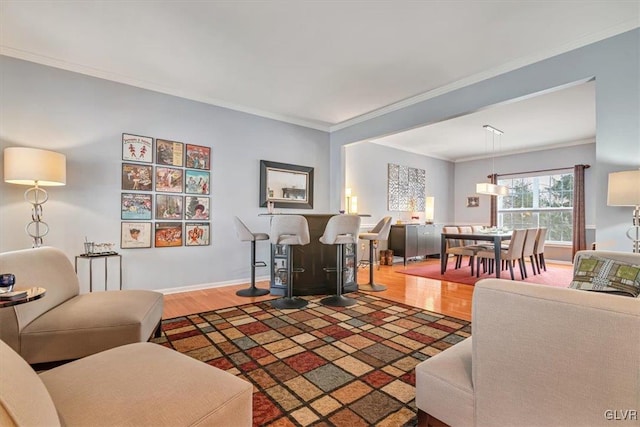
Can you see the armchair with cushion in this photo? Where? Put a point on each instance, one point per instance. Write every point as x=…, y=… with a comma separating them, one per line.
x=539, y=355
x=65, y=324
x=141, y=384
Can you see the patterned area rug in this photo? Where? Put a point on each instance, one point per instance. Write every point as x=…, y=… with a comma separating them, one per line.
x=321, y=366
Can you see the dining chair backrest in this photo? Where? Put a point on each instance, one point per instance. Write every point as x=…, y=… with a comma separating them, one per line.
x=383, y=227
x=466, y=229
x=452, y=243
x=540, y=239
x=289, y=230
x=529, y=242
x=341, y=229
x=516, y=244
x=242, y=231
x=477, y=228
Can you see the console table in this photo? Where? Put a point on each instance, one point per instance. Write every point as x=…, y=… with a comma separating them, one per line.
x=414, y=240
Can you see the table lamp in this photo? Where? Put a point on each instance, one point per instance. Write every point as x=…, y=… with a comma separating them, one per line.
x=624, y=190
x=35, y=167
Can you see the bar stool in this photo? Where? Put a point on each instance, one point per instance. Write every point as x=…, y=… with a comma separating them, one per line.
x=246, y=235
x=379, y=232
x=289, y=231
x=341, y=230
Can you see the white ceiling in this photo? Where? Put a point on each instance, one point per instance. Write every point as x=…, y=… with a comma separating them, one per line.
x=326, y=64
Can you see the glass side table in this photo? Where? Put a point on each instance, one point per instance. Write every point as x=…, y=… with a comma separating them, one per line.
x=32, y=295
x=105, y=257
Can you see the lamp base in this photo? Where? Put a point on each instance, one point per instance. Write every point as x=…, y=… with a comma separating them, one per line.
x=37, y=228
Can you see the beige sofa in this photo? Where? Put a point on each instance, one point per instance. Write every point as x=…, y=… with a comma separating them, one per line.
x=538, y=356
x=140, y=384
x=66, y=324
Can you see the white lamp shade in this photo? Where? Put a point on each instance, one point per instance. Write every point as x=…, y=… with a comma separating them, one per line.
x=28, y=166
x=624, y=188
x=354, y=205
x=429, y=207
x=347, y=192
x=491, y=189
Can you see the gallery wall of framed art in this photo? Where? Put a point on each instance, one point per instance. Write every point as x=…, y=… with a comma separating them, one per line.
x=165, y=199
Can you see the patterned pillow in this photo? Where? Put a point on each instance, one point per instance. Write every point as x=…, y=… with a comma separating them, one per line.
x=606, y=275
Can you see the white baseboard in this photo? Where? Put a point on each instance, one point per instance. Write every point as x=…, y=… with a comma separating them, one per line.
x=199, y=287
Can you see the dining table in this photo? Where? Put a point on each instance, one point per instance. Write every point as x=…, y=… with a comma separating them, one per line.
x=497, y=237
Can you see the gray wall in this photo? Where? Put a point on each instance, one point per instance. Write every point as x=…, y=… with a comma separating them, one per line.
x=366, y=174
x=615, y=65
x=84, y=117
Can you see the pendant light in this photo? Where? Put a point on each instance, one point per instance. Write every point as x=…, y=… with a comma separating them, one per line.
x=487, y=187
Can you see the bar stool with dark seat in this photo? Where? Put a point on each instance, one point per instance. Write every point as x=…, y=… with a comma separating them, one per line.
x=341, y=230
x=379, y=232
x=246, y=235
x=289, y=231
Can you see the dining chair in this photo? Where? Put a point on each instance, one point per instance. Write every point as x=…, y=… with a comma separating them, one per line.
x=538, y=249
x=528, y=249
x=457, y=248
x=511, y=254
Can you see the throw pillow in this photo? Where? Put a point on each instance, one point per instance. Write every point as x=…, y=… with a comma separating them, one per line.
x=606, y=275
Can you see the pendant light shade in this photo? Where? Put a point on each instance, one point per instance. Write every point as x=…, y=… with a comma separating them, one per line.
x=491, y=189
x=487, y=187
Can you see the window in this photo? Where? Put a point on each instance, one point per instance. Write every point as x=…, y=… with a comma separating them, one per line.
x=539, y=201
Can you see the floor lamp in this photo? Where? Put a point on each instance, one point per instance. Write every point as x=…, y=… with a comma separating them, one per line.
x=624, y=190
x=31, y=166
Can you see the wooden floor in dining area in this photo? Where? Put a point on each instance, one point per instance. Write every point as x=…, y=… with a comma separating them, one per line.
x=448, y=298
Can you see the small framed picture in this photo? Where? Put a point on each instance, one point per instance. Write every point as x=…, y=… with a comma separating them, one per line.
x=198, y=157
x=169, y=180
x=135, y=235
x=135, y=206
x=197, y=233
x=196, y=207
x=168, y=234
x=137, y=177
x=473, y=201
x=137, y=148
x=169, y=152
x=196, y=182
x=168, y=207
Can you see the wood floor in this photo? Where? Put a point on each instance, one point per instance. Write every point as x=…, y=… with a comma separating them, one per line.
x=448, y=298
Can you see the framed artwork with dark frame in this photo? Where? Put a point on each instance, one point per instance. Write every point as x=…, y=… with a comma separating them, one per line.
x=196, y=182
x=137, y=177
x=136, y=148
x=286, y=185
x=168, y=207
x=136, y=206
x=169, y=153
x=196, y=208
x=473, y=201
x=197, y=234
x=169, y=180
x=168, y=234
x=198, y=157
x=135, y=235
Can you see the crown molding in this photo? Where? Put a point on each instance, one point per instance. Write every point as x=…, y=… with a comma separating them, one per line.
x=504, y=68
x=119, y=78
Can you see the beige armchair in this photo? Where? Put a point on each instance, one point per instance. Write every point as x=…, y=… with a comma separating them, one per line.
x=141, y=384
x=66, y=324
x=538, y=356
